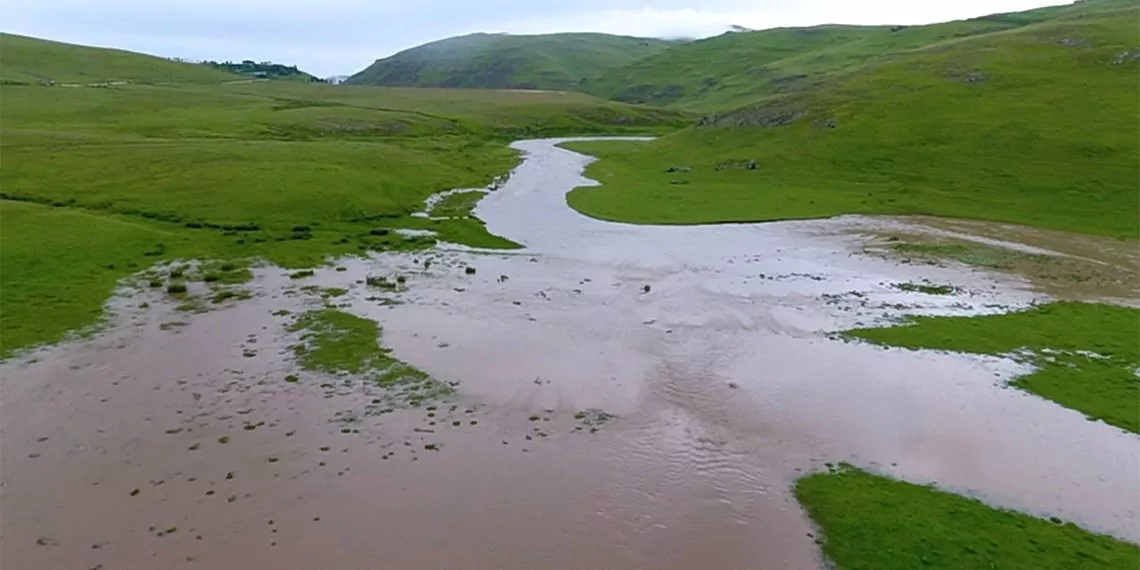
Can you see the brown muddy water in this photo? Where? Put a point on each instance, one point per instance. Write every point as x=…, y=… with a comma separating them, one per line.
x=175, y=441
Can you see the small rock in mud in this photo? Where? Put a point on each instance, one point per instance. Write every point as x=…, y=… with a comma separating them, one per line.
x=645, y=289
x=469, y=270
x=594, y=417
x=46, y=541
x=733, y=385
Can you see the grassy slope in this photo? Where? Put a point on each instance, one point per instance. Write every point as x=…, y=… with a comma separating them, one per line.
x=282, y=170
x=872, y=522
x=549, y=61
x=736, y=69
x=29, y=60
x=1053, y=337
x=998, y=126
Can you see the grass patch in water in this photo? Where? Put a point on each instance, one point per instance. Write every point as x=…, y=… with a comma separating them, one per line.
x=337, y=342
x=230, y=294
x=926, y=288
x=977, y=255
x=874, y=522
x=457, y=205
x=1086, y=354
x=225, y=272
x=325, y=292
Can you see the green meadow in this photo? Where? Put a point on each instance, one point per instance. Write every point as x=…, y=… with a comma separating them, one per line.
x=152, y=159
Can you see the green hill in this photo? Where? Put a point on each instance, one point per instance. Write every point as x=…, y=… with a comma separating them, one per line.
x=502, y=61
x=1036, y=125
x=32, y=60
x=737, y=68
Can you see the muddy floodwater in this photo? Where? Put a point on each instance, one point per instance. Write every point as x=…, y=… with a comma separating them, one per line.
x=628, y=397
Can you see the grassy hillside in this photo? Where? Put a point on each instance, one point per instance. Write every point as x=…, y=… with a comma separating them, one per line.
x=549, y=61
x=99, y=183
x=736, y=69
x=1034, y=125
x=32, y=60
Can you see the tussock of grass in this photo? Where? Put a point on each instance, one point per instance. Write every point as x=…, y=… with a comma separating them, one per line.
x=874, y=522
x=1087, y=354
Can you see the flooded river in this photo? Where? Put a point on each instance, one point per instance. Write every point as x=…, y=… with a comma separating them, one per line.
x=629, y=397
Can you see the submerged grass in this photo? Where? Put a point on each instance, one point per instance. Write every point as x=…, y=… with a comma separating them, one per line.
x=1087, y=354
x=978, y=255
x=874, y=522
x=335, y=342
x=926, y=288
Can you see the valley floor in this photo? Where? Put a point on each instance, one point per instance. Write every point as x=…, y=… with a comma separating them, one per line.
x=610, y=395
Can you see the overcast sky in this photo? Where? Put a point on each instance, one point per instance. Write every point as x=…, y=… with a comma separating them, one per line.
x=332, y=37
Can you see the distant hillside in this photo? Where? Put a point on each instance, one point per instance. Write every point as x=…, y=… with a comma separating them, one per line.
x=739, y=68
x=1035, y=125
x=32, y=60
x=550, y=61
x=265, y=70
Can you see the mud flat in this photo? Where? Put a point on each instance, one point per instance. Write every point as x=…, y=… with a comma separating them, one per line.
x=626, y=397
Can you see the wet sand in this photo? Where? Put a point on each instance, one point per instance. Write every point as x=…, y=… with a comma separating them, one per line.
x=724, y=378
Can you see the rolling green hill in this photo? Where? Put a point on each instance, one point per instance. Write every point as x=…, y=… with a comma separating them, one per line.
x=1035, y=125
x=502, y=61
x=736, y=68
x=32, y=60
